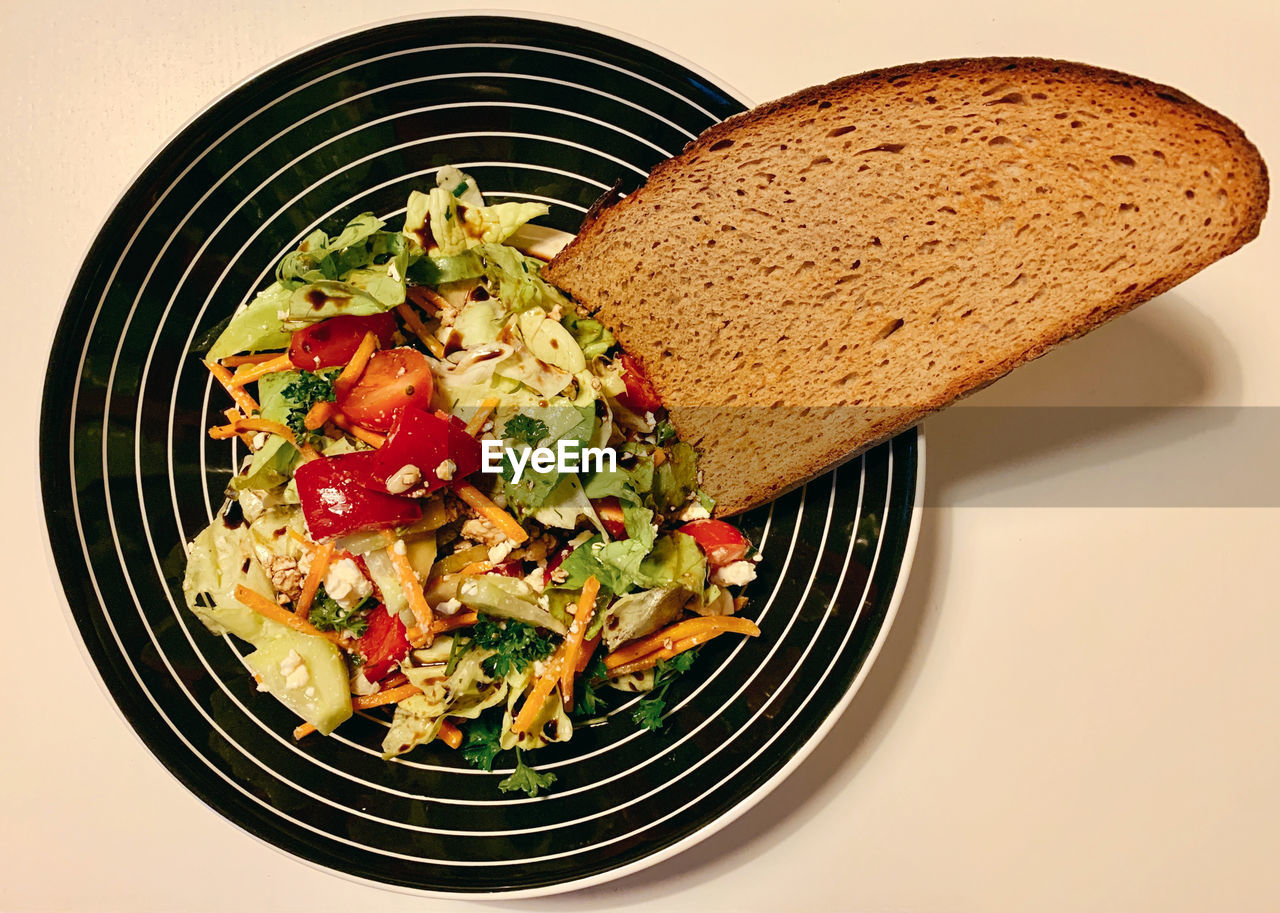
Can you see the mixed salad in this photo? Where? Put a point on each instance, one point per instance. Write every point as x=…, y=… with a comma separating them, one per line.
x=410, y=529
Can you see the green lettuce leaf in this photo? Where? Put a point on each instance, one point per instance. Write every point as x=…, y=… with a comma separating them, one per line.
x=258, y=327
x=592, y=337
x=327, y=298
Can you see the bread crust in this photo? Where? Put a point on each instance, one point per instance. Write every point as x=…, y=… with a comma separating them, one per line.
x=1168, y=103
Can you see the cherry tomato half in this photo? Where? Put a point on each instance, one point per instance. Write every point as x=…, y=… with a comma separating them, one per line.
x=720, y=542
x=640, y=396
x=384, y=643
x=394, y=378
x=332, y=342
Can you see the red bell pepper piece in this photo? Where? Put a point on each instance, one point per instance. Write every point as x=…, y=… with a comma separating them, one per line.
x=424, y=441
x=720, y=542
x=384, y=643
x=332, y=342
x=609, y=510
x=640, y=395
x=335, y=502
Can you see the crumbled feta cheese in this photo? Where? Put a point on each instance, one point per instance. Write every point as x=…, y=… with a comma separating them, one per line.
x=311, y=691
x=536, y=579
x=399, y=547
x=555, y=313
x=403, y=479
x=260, y=440
x=346, y=584
x=400, y=371
x=292, y=661
x=693, y=511
x=446, y=470
x=735, y=574
x=649, y=419
x=448, y=607
x=539, y=667
x=294, y=670
x=297, y=678
x=361, y=685
x=262, y=686
x=581, y=538
x=499, y=552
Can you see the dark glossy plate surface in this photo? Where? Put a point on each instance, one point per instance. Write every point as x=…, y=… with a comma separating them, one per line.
x=536, y=111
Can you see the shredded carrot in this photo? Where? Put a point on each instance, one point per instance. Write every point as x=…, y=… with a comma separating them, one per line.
x=676, y=648
x=250, y=374
x=572, y=645
x=304, y=730
x=318, y=414
x=303, y=540
x=588, y=650
x=412, y=586
x=233, y=415
x=450, y=734
x=676, y=632
x=319, y=566
x=264, y=606
x=248, y=405
x=427, y=298
x=502, y=521
x=372, y=438
x=239, y=426
x=388, y=696
x=538, y=696
x=419, y=329
x=392, y=681
x=483, y=411
x=453, y=622
x=350, y=375
x=659, y=457
x=235, y=361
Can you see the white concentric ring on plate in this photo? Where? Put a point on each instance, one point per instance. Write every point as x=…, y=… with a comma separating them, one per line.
x=780, y=717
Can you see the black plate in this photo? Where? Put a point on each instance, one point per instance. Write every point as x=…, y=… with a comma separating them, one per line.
x=535, y=110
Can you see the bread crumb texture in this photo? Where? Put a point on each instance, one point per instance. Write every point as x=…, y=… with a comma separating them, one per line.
x=819, y=273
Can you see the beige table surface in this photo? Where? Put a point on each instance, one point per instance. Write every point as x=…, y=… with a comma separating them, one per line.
x=1078, y=707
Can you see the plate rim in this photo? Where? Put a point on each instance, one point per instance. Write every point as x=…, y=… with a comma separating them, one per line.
x=697, y=836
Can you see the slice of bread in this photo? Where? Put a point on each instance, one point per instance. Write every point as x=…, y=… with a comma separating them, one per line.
x=819, y=273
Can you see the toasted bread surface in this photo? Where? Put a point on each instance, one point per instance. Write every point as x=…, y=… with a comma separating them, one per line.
x=818, y=274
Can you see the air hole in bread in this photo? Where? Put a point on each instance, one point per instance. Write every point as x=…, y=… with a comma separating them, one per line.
x=1012, y=98
x=1123, y=160
x=841, y=131
x=890, y=328
x=721, y=144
